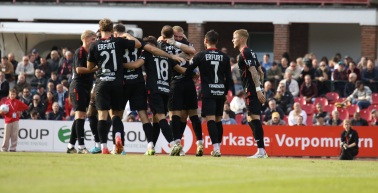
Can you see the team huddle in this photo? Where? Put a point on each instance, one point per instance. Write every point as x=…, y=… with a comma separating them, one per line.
x=170, y=63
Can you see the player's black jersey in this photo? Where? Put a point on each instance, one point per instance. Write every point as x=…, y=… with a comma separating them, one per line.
x=215, y=72
x=247, y=59
x=132, y=76
x=158, y=70
x=80, y=60
x=108, y=55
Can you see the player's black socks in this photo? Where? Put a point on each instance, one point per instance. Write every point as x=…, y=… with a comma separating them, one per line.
x=155, y=132
x=166, y=130
x=220, y=131
x=73, y=136
x=93, y=125
x=147, y=128
x=103, y=131
x=80, y=131
x=213, y=131
x=182, y=128
x=197, y=127
x=176, y=127
x=118, y=127
x=258, y=133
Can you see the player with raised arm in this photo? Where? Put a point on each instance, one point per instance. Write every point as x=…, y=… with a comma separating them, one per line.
x=80, y=89
x=215, y=73
x=107, y=53
x=158, y=70
x=251, y=75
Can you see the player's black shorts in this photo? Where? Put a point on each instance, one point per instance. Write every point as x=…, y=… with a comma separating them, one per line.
x=212, y=106
x=253, y=104
x=183, y=96
x=80, y=96
x=136, y=94
x=158, y=103
x=109, y=96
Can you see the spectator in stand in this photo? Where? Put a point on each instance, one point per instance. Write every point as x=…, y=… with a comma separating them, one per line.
x=61, y=95
x=350, y=86
x=340, y=78
x=320, y=112
x=271, y=109
x=236, y=77
x=266, y=63
x=226, y=107
x=332, y=64
x=50, y=99
x=35, y=116
x=12, y=60
x=275, y=120
x=274, y=74
x=38, y=106
x=294, y=70
x=269, y=94
x=353, y=68
x=51, y=87
x=291, y=84
x=68, y=110
x=358, y=121
x=8, y=70
x=65, y=67
x=54, y=79
x=25, y=67
x=32, y=60
x=56, y=114
x=314, y=63
x=309, y=90
x=335, y=120
x=322, y=76
x=44, y=67
x=284, y=65
x=374, y=117
x=227, y=120
x=300, y=63
x=284, y=99
x=292, y=119
x=38, y=80
x=130, y=118
x=41, y=91
x=26, y=96
x=238, y=103
x=21, y=84
x=370, y=76
x=4, y=86
x=360, y=96
x=300, y=121
x=307, y=70
x=349, y=142
x=320, y=120
x=363, y=63
x=54, y=61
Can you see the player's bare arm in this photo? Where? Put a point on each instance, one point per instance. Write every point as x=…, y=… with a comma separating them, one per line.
x=256, y=80
x=83, y=70
x=134, y=65
x=91, y=65
x=261, y=72
x=183, y=47
x=158, y=52
x=179, y=69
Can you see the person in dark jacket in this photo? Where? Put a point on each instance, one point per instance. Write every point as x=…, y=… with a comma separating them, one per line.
x=349, y=142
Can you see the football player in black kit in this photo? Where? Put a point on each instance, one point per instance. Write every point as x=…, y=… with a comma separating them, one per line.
x=134, y=89
x=349, y=142
x=80, y=89
x=252, y=75
x=107, y=54
x=183, y=96
x=215, y=73
x=158, y=70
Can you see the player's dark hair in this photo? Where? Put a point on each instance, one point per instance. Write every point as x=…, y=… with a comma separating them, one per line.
x=119, y=28
x=106, y=25
x=212, y=37
x=167, y=31
x=150, y=39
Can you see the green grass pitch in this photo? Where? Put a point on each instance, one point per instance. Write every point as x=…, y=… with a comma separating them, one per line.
x=58, y=172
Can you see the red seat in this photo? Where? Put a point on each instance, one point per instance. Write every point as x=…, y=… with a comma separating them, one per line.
x=329, y=108
x=309, y=120
x=229, y=97
x=309, y=108
x=286, y=119
x=332, y=97
x=300, y=100
x=371, y=107
x=239, y=118
x=352, y=109
x=323, y=101
x=343, y=114
x=365, y=114
x=374, y=98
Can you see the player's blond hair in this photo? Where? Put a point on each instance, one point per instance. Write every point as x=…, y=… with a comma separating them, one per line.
x=87, y=34
x=242, y=33
x=106, y=25
x=178, y=28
